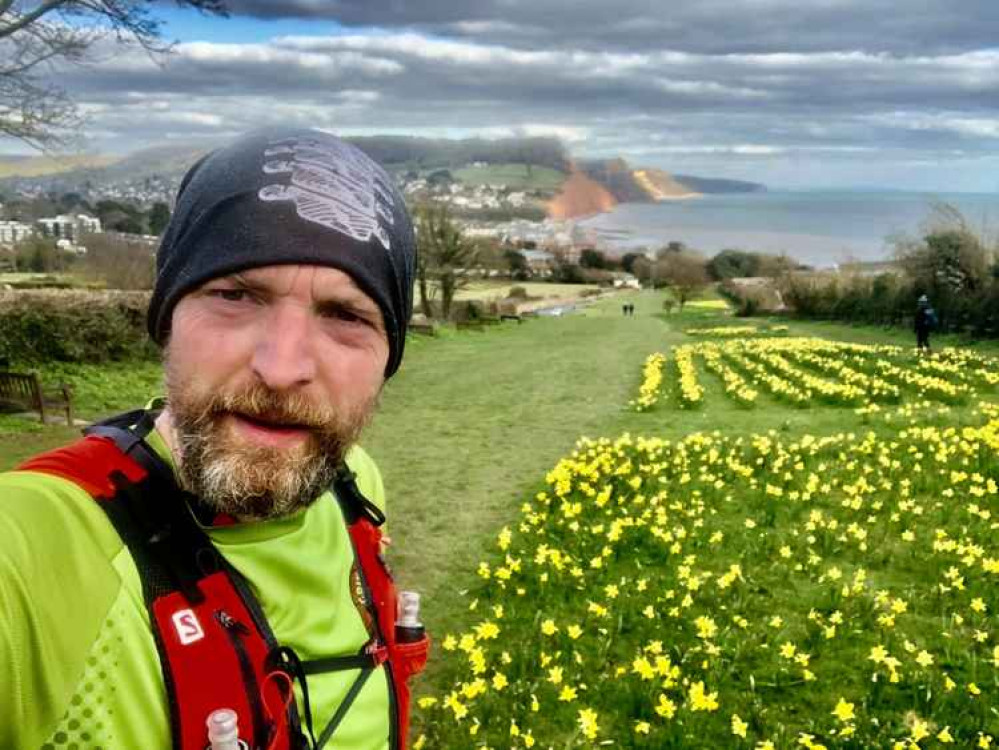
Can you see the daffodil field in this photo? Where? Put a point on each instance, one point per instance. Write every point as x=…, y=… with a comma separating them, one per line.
x=763, y=591
x=760, y=592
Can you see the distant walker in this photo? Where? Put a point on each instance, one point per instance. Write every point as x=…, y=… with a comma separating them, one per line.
x=926, y=320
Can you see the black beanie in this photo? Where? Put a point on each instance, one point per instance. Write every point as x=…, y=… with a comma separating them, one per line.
x=289, y=196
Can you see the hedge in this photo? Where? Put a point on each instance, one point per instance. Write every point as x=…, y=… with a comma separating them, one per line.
x=74, y=326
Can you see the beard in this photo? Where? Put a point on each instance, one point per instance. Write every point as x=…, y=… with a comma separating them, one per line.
x=235, y=476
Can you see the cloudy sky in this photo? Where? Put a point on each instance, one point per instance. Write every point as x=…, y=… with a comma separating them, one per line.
x=793, y=93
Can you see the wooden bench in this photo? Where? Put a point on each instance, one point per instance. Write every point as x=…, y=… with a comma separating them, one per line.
x=25, y=390
x=511, y=316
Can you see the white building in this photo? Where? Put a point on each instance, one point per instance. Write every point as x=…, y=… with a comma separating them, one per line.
x=69, y=227
x=12, y=232
x=71, y=247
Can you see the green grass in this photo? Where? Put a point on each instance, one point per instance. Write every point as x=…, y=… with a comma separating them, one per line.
x=514, y=176
x=718, y=518
x=484, y=290
x=98, y=391
x=32, y=280
x=472, y=423
x=492, y=290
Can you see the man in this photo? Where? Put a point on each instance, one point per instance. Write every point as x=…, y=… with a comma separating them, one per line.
x=210, y=567
x=925, y=321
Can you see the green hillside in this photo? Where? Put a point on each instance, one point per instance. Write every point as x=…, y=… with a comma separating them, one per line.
x=514, y=176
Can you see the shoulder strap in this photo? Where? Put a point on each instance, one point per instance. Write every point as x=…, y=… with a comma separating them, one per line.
x=353, y=503
x=363, y=520
x=215, y=645
x=212, y=637
x=128, y=431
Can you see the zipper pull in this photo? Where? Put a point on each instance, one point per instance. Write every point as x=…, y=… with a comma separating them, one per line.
x=231, y=623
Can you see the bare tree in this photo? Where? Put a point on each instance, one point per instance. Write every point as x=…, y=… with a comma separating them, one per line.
x=444, y=257
x=35, y=35
x=118, y=262
x=686, y=274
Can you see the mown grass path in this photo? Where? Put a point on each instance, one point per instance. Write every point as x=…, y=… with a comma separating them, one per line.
x=472, y=423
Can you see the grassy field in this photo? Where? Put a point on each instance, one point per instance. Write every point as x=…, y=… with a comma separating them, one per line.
x=43, y=165
x=535, y=556
x=811, y=586
x=40, y=280
x=514, y=176
x=483, y=290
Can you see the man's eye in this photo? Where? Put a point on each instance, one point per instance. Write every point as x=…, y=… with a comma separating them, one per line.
x=230, y=295
x=345, y=315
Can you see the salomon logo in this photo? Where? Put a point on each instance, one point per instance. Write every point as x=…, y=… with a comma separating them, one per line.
x=187, y=626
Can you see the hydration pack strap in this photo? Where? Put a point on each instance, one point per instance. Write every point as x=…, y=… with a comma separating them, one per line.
x=206, y=620
x=179, y=567
x=128, y=431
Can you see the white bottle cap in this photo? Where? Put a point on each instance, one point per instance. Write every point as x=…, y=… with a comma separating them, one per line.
x=409, y=609
x=223, y=729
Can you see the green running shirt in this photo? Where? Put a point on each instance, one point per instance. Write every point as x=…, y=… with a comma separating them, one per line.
x=78, y=665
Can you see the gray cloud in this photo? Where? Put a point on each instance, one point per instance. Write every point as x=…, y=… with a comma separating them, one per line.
x=927, y=26
x=700, y=99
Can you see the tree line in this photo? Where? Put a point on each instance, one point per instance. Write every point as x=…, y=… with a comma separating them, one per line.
x=115, y=216
x=449, y=260
x=954, y=264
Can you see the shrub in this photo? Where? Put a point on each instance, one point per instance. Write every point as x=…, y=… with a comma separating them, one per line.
x=74, y=327
x=517, y=292
x=468, y=309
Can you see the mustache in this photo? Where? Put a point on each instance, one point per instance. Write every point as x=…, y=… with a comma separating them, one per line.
x=264, y=405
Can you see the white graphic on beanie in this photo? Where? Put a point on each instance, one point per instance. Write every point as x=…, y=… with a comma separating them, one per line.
x=332, y=184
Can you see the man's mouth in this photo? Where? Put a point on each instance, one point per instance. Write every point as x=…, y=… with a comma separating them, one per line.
x=267, y=430
x=271, y=422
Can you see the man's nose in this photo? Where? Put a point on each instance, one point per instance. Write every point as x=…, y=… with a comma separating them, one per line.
x=283, y=353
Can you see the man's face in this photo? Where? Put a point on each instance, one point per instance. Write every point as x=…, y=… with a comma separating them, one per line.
x=270, y=375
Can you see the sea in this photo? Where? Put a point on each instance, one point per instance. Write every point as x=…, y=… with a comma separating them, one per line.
x=820, y=229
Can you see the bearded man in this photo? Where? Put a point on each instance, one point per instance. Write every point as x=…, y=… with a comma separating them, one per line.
x=206, y=572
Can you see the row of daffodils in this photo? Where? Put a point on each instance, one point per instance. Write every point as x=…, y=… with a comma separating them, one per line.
x=743, y=592
x=730, y=332
x=805, y=371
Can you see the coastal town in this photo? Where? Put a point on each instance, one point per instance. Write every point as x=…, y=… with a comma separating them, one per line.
x=508, y=213
x=528, y=195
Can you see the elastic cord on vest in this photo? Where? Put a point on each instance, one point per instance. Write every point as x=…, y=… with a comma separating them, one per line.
x=285, y=659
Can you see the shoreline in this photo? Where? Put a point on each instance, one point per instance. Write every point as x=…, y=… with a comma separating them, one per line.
x=591, y=214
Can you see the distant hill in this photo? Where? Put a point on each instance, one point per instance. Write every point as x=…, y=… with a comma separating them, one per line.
x=539, y=164
x=618, y=178
x=37, y=166
x=173, y=160
x=611, y=181
x=660, y=185
x=581, y=195
x=401, y=152
x=145, y=176
x=166, y=164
